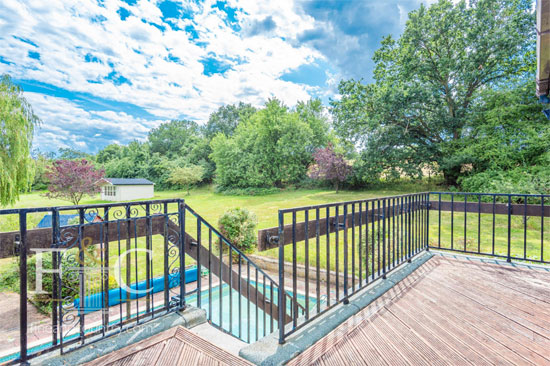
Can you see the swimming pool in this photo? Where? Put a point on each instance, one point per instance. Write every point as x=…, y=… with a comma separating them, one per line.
x=252, y=323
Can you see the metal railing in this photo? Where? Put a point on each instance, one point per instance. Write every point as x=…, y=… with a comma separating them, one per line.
x=509, y=226
x=336, y=249
x=101, y=269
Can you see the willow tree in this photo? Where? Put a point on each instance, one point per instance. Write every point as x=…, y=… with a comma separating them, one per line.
x=17, y=121
x=427, y=82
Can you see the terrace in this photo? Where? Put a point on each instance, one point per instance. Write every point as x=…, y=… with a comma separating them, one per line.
x=426, y=278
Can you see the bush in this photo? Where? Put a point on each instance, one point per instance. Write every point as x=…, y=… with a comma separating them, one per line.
x=521, y=180
x=238, y=225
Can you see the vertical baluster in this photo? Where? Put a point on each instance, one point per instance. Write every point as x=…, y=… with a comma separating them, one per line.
x=384, y=213
x=148, y=258
x=327, y=237
x=166, y=262
x=479, y=223
x=221, y=282
x=318, y=262
x=248, y=302
x=352, y=247
x=525, y=227
x=345, y=253
x=307, y=261
x=256, y=311
x=136, y=266
x=294, y=273
x=509, y=255
x=494, y=224
x=81, y=278
x=210, y=275
x=199, y=267
x=465, y=220
x=281, y=302
x=240, y=295
x=542, y=214
x=452, y=219
x=360, y=250
x=337, y=250
x=373, y=250
x=56, y=278
x=23, y=286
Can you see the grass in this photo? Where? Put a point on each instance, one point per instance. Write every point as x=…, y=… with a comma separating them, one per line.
x=525, y=236
x=207, y=203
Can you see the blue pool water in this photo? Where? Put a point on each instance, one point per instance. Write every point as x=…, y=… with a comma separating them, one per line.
x=244, y=327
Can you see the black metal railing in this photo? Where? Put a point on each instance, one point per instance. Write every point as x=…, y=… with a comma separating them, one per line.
x=331, y=251
x=245, y=302
x=100, y=269
x=509, y=226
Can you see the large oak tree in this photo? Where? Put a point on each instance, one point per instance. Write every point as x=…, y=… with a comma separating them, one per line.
x=427, y=82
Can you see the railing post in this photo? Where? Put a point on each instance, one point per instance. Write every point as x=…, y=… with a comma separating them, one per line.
x=55, y=266
x=181, y=218
x=509, y=257
x=427, y=221
x=23, y=287
x=282, y=300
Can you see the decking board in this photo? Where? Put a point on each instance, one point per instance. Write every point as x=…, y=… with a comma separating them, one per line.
x=449, y=312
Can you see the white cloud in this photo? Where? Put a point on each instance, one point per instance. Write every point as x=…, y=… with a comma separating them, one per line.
x=63, y=123
x=138, y=51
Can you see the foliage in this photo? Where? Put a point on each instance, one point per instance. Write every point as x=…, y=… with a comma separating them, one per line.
x=272, y=148
x=250, y=191
x=428, y=82
x=72, y=179
x=66, y=153
x=226, y=119
x=17, y=121
x=507, y=131
x=187, y=176
x=41, y=163
x=238, y=225
x=330, y=165
x=171, y=138
x=521, y=180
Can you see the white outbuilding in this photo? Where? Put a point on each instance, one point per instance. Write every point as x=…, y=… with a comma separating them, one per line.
x=126, y=189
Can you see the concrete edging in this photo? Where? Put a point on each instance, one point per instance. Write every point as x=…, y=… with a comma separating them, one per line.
x=189, y=318
x=268, y=352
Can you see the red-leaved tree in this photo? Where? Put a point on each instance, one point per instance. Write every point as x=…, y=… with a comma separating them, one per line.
x=71, y=179
x=330, y=165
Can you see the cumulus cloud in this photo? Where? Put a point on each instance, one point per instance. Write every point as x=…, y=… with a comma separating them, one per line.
x=110, y=70
x=348, y=32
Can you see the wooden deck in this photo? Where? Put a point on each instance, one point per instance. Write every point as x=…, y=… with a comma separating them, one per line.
x=448, y=312
x=176, y=346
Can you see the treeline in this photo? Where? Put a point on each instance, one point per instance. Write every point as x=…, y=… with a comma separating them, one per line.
x=239, y=147
x=452, y=98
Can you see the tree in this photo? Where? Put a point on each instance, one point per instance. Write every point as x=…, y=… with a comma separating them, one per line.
x=428, y=82
x=67, y=153
x=226, y=119
x=187, y=176
x=17, y=121
x=71, y=179
x=108, y=153
x=331, y=166
x=171, y=137
x=270, y=149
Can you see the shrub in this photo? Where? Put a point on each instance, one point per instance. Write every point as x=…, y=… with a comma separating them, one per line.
x=238, y=225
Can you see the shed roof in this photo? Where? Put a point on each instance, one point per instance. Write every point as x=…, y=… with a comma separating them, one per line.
x=129, y=181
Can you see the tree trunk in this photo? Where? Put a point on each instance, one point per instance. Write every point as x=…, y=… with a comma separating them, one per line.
x=336, y=186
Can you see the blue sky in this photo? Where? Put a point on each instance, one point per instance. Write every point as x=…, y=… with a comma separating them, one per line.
x=102, y=71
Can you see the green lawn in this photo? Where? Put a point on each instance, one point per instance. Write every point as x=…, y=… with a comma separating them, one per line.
x=208, y=204
x=211, y=205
